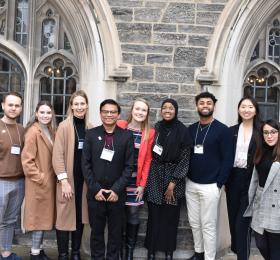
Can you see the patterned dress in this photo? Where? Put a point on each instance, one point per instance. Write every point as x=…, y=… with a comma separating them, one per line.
x=131, y=187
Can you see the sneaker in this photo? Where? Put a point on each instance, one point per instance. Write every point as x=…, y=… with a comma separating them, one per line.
x=43, y=255
x=12, y=256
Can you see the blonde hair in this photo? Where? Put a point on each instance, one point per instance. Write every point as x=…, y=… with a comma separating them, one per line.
x=78, y=93
x=145, y=125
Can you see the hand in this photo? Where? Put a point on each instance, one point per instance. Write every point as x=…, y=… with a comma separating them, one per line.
x=169, y=194
x=99, y=196
x=67, y=191
x=113, y=196
x=139, y=193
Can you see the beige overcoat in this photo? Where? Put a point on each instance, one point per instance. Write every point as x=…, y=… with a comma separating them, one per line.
x=63, y=162
x=40, y=180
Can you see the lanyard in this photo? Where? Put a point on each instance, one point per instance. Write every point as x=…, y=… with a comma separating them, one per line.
x=198, y=125
x=77, y=132
x=11, y=136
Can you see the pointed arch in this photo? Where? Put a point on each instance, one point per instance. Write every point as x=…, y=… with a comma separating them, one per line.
x=230, y=50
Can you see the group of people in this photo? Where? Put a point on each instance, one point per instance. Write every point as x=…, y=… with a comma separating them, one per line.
x=77, y=174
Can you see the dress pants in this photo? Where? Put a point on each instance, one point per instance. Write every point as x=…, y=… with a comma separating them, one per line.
x=202, y=204
x=237, y=202
x=100, y=213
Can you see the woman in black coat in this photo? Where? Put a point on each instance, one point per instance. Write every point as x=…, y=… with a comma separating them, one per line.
x=166, y=181
x=244, y=138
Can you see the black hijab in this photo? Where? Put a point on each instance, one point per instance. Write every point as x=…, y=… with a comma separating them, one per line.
x=172, y=135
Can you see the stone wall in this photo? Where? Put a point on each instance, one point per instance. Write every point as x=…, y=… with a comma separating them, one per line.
x=164, y=41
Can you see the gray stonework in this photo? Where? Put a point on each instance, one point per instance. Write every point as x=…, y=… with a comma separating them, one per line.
x=164, y=42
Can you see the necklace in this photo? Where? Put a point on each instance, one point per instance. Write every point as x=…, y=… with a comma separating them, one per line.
x=204, y=127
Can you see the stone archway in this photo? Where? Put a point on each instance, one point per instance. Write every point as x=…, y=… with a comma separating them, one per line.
x=230, y=49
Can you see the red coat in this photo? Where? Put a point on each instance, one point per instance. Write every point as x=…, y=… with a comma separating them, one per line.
x=144, y=157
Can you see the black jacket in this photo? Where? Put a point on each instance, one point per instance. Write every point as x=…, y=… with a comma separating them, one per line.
x=102, y=174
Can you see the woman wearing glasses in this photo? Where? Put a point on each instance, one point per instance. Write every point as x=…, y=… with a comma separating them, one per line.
x=244, y=138
x=264, y=192
x=70, y=194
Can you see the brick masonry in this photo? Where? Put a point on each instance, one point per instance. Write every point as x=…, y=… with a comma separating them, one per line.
x=164, y=41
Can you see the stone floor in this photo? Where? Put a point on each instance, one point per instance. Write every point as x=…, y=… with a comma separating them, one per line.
x=23, y=251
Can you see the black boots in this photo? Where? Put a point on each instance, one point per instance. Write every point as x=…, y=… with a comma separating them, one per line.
x=168, y=255
x=131, y=238
x=41, y=256
x=197, y=256
x=151, y=255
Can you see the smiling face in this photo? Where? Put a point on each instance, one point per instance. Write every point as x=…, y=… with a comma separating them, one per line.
x=139, y=111
x=44, y=115
x=205, y=107
x=270, y=135
x=246, y=110
x=168, y=111
x=12, y=107
x=109, y=115
x=79, y=107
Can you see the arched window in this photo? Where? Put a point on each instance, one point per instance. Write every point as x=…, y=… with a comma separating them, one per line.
x=48, y=35
x=262, y=80
x=57, y=84
x=11, y=77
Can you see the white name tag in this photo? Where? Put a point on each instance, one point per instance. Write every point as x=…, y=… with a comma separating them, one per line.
x=198, y=149
x=158, y=149
x=15, y=149
x=136, y=145
x=107, y=154
x=80, y=145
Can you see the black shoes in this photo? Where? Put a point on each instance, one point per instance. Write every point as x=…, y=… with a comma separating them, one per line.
x=75, y=255
x=197, y=256
x=168, y=255
x=130, y=241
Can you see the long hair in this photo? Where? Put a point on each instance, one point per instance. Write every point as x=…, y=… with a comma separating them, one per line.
x=34, y=119
x=145, y=125
x=256, y=119
x=78, y=93
x=261, y=142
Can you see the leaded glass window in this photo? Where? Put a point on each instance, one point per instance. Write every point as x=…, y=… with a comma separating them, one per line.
x=48, y=35
x=57, y=87
x=11, y=77
x=262, y=85
x=21, y=22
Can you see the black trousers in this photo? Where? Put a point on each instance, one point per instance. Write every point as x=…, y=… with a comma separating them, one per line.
x=237, y=202
x=269, y=245
x=162, y=227
x=101, y=213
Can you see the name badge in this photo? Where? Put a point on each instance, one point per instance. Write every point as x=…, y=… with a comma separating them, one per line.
x=80, y=144
x=198, y=149
x=15, y=149
x=107, y=154
x=158, y=149
x=136, y=145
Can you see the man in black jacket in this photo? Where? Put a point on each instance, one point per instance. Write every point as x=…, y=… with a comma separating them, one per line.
x=107, y=166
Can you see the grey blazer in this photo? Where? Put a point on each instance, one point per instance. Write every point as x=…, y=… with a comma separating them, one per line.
x=269, y=204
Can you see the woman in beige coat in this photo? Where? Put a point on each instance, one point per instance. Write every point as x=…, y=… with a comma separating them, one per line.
x=39, y=209
x=70, y=196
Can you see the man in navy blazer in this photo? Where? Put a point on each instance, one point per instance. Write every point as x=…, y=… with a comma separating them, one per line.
x=107, y=165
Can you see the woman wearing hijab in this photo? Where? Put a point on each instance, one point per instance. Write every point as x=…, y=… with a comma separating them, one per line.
x=166, y=181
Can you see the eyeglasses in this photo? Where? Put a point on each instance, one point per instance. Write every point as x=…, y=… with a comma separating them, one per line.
x=272, y=132
x=107, y=112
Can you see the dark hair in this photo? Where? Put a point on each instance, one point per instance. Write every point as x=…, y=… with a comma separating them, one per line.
x=205, y=95
x=12, y=93
x=261, y=143
x=111, y=102
x=256, y=120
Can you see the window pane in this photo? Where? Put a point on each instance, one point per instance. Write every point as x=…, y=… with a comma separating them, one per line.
x=272, y=95
x=21, y=21
x=46, y=97
x=70, y=86
x=45, y=85
x=16, y=82
x=48, y=36
x=260, y=95
x=4, y=82
x=58, y=86
x=268, y=111
x=58, y=105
